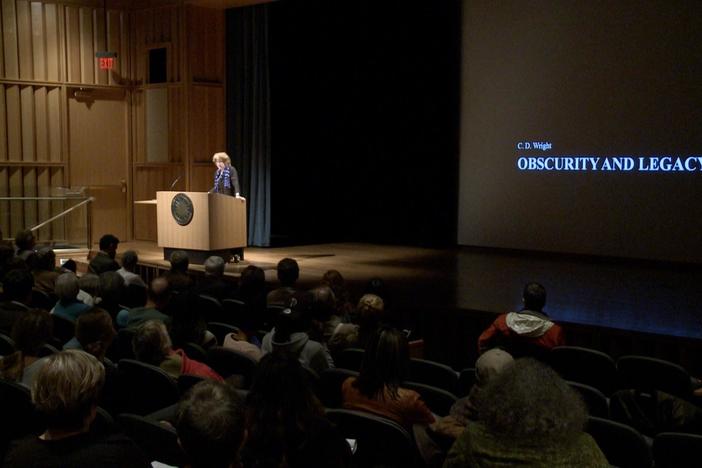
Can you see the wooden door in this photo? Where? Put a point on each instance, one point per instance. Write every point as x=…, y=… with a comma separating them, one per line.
x=99, y=156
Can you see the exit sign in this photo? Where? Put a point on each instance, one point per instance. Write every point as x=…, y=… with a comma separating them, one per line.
x=106, y=60
x=106, y=63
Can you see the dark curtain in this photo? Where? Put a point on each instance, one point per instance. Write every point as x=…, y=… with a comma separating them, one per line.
x=248, y=114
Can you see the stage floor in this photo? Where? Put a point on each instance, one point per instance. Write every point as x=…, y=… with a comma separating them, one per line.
x=621, y=294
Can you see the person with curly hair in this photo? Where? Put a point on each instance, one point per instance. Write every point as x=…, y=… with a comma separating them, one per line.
x=527, y=416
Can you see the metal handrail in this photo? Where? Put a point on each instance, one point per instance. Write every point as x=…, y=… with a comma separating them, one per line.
x=63, y=213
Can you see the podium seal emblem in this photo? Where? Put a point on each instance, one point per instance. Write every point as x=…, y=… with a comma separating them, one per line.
x=182, y=209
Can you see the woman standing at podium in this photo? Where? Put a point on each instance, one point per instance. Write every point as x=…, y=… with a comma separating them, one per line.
x=226, y=179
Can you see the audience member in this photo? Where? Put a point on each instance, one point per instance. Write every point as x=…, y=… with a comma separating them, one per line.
x=528, y=416
x=528, y=332
x=368, y=316
x=159, y=298
x=66, y=394
x=289, y=336
x=89, y=285
x=252, y=291
x=17, y=292
x=487, y=367
x=285, y=421
x=213, y=283
x=26, y=243
x=288, y=273
x=130, y=259
x=178, y=276
x=188, y=324
x=378, y=287
x=104, y=260
x=335, y=281
x=377, y=388
x=68, y=305
x=31, y=331
x=69, y=265
x=210, y=425
x=323, y=313
x=111, y=292
x=94, y=333
x=152, y=345
x=45, y=271
x=7, y=253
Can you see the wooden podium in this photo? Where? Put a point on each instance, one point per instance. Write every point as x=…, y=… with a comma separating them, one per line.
x=200, y=223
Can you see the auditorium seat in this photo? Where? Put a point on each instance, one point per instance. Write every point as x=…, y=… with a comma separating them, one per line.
x=380, y=441
x=194, y=351
x=158, y=441
x=64, y=329
x=596, y=402
x=586, y=366
x=220, y=330
x=235, y=312
x=677, y=450
x=434, y=374
x=229, y=363
x=330, y=382
x=19, y=418
x=145, y=388
x=623, y=445
x=437, y=399
x=43, y=300
x=210, y=308
x=7, y=346
x=648, y=374
x=349, y=358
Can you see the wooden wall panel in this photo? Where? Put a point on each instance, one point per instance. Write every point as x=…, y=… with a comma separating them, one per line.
x=9, y=39
x=43, y=206
x=205, y=44
x=14, y=126
x=176, y=124
x=41, y=124
x=202, y=177
x=87, y=46
x=3, y=125
x=59, y=226
x=139, y=126
x=98, y=21
x=24, y=40
x=4, y=205
x=29, y=189
x=16, y=190
x=206, y=118
x=53, y=112
x=73, y=49
x=53, y=43
x=117, y=43
x=27, y=114
x=38, y=41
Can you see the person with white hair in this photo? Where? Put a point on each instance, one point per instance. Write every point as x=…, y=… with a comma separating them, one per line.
x=68, y=305
x=213, y=283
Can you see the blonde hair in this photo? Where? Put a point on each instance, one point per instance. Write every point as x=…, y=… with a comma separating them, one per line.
x=67, y=387
x=223, y=157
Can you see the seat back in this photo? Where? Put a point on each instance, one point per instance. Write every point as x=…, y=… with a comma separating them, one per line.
x=157, y=441
x=19, y=415
x=586, y=366
x=228, y=363
x=649, y=374
x=121, y=347
x=677, y=450
x=187, y=381
x=194, y=351
x=236, y=313
x=7, y=345
x=349, y=358
x=380, y=441
x=64, y=329
x=623, y=445
x=210, y=308
x=145, y=388
x=437, y=399
x=42, y=300
x=329, y=388
x=595, y=400
x=434, y=374
x=220, y=330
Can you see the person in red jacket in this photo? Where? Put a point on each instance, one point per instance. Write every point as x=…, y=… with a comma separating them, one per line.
x=528, y=332
x=152, y=345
